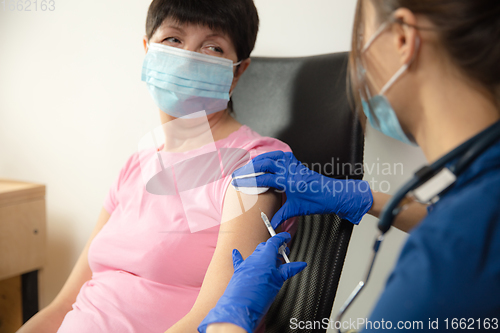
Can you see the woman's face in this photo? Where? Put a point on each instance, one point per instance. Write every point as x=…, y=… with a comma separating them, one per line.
x=195, y=38
x=201, y=39
x=393, y=48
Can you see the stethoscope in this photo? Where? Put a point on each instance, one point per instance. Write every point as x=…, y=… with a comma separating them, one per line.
x=427, y=186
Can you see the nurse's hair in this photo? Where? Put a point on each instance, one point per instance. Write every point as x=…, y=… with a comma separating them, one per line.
x=469, y=31
x=238, y=19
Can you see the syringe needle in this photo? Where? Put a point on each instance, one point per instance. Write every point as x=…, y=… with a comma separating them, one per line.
x=282, y=249
x=283, y=253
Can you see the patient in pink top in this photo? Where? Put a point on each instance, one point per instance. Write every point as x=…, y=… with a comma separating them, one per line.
x=159, y=257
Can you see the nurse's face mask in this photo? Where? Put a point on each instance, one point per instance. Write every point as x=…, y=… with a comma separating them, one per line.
x=378, y=109
x=183, y=83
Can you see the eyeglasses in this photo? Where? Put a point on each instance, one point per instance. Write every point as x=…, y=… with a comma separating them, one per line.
x=361, y=73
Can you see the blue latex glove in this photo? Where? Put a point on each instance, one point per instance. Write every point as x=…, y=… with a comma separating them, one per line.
x=254, y=285
x=307, y=192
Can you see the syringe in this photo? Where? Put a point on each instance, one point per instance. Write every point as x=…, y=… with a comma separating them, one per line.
x=282, y=249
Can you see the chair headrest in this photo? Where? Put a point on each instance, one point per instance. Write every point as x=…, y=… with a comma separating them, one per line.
x=303, y=102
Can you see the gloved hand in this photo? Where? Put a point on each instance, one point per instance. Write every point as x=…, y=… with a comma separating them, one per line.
x=254, y=285
x=307, y=192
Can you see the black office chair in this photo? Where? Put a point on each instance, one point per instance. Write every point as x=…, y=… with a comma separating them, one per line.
x=303, y=102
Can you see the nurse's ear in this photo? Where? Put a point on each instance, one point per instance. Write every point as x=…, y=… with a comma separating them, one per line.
x=405, y=35
x=239, y=70
x=145, y=42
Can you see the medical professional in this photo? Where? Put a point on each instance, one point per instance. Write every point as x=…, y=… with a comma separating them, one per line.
x=428, y=74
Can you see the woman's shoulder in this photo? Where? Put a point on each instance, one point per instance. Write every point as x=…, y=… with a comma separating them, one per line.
x=254, y=143
x=131, y=164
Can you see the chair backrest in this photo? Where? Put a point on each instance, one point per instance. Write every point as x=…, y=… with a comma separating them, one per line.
x=303, y=102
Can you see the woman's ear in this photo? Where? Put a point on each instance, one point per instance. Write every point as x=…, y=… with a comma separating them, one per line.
x=405, y=35
x=145, y=42
x=239, y=71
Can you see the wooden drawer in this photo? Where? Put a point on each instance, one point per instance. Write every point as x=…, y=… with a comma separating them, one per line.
x=11, y=308
x=22, y=227
x=22, y=250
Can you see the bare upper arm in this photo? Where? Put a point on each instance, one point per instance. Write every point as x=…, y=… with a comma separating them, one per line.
x=81, y=271
x=242, y=229
x=224, y=328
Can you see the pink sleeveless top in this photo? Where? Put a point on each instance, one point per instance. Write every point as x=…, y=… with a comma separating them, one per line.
x=149, y=260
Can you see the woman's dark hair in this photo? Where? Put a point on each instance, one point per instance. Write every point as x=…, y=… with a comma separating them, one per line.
x=238, y=19
x=469, y=31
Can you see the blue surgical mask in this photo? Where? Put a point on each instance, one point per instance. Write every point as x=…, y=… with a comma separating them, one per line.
x=183, y=82
x=378, y=109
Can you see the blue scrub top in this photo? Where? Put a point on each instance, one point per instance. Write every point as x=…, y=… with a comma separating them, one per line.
x=448, y=273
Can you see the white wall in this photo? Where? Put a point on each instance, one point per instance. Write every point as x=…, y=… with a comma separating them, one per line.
x=72, y=108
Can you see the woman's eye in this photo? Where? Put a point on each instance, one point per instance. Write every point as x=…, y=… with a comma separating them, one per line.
x=172, y=40
x=215, y=49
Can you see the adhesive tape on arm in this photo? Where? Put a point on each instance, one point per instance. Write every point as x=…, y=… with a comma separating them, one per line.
x=251, y=190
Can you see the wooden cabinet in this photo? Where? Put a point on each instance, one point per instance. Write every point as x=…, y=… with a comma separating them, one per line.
x=22, y=250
